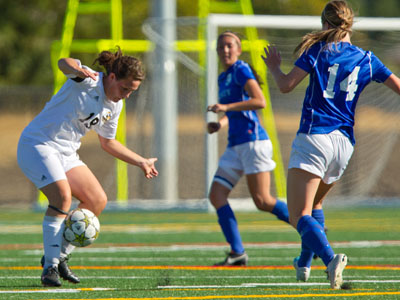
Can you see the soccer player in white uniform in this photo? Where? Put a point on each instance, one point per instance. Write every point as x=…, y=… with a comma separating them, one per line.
x=339, y=71
x=47, y=149
x=249, y=149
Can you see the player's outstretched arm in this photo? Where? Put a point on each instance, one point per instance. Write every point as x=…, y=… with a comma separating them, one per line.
x=70, y=66
x=286, y=82
x=393, y=82
x=116, y=149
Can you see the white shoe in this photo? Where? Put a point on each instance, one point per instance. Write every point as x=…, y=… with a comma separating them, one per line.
x=302, y=273
x=335, y=269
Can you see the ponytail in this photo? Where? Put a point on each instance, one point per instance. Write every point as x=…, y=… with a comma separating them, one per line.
x=123, y=66
x=340, y=18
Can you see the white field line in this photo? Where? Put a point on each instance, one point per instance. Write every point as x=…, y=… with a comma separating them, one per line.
x=211, y=247
x=388, y=260
x=254, y=285
x=53, y=291
x=348, y=277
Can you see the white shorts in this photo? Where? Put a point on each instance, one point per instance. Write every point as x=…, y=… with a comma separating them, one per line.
x=42, y=164
x=324, y=155
x=248, y=158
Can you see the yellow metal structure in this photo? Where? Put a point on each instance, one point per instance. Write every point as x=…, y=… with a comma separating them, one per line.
x=255, y=47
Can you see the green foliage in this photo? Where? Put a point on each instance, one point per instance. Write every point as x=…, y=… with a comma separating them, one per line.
x=27, y=28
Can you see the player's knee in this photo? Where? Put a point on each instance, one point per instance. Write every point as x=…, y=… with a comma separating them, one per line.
x=96, y=203
x=264, y=202
x=101, y=203
x=218, y=197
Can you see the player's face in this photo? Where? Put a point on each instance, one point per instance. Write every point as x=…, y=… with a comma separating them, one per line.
x=119, y=89
x=228, y=51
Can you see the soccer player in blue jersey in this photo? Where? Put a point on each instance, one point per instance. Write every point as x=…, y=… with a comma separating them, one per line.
x=324, y=143
x=249, y=149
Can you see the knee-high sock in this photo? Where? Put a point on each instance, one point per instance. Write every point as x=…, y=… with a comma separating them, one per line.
x=66, y=248
x=229, y=226
x=313, y=236
x=52, y=238
x=281, y=211
x=307, y=254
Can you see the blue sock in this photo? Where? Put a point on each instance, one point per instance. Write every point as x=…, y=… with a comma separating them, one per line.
x=307, y=254
x=281, y=211
x=313, y=236
x=228, y=223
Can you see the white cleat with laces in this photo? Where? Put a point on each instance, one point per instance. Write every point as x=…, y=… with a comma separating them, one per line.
x=335, y=269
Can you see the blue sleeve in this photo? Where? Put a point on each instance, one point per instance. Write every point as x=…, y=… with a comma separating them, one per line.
x=307, y=60
x=243, y=73
x=379, y=71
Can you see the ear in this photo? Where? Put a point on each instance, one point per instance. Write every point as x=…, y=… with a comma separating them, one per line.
x=112, y=76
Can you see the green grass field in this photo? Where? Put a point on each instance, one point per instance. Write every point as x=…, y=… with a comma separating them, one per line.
x=167, y=255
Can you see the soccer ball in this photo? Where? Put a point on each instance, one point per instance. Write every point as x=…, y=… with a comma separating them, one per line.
x=81, y=227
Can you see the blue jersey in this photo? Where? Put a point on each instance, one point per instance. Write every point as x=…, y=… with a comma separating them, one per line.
x=244, y=126
x=337, y=77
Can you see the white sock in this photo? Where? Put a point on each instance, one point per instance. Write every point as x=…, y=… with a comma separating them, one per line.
x=66, y=248
x=52, y=238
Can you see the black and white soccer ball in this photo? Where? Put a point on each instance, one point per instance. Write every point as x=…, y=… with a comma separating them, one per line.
x=82, y=227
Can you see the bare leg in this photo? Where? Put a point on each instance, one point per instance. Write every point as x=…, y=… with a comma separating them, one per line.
x=259, y=187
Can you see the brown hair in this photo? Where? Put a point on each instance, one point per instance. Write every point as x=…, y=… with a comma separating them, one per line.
x=339, y=15
x=123, y=66
x=238, y=40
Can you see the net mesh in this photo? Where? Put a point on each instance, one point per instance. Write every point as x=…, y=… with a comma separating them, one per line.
x=370, y=176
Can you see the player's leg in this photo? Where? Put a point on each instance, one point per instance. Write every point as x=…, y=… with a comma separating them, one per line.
x=59, y=197
x=259, y=188
x=87, y=189
x=303, y=262
x=43, y=166
x=228, y=174
x=229, y=226
x=256, y=158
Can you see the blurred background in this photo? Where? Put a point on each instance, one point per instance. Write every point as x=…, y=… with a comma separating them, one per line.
x=28, y=30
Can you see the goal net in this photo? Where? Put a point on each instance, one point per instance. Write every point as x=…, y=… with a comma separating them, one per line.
x=371, y=176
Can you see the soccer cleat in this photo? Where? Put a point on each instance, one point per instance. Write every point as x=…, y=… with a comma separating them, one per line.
x=302, y=273
x=64, y=270
x=234, y=259
x=50, y=277
x=335, y=269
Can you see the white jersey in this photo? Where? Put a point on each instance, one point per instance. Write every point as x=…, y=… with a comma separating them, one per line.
x=76, y=108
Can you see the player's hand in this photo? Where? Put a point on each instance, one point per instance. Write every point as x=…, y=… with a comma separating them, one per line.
x=272, y=57
x=213, y=127
x=84, y=73
x=148, y=168
x=216, y=108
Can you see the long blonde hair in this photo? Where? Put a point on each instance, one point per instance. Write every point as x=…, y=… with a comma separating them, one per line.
x=339, y=15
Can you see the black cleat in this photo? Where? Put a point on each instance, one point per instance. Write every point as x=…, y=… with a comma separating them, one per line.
x=234, y=259
x=50, y=277
x=65, y=271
